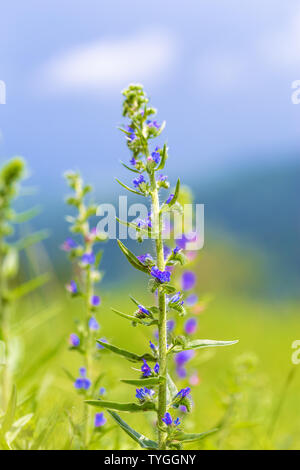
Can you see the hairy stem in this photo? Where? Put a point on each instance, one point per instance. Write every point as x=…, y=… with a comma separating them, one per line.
x=162, y=320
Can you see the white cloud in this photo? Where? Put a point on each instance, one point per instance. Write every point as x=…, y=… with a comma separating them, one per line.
x=107, y=65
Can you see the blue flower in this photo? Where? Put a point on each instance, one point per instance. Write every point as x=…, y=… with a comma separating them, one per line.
x=167, y=419
x=183, y=356
x=176, y=422
x=190, y=326
x=143, y=394
x=82, y=382
x=161, y=276
x=146, y=369
x=152, y=346
x=88, y=258
x=74, y=340
x=188, y=280
x=102, y=391
x=176, y=298
x=93, y=324
x=132, y=161
x=167, y=251
x=156, y=155
x=176, y=250
x=169, y=199
x=131, y=132
x=156, y=368
x=72, y=287
x=69, y=244
x=139, y=180
x=162, y=178
x=191, y=300
x=143, y=310
x=170, y=325
x=184, y=392
x=144, y=258
x=100, y=420
x=152, y=124
x=95, y=300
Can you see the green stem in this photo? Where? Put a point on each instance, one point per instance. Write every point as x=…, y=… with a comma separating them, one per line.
x=162, y=319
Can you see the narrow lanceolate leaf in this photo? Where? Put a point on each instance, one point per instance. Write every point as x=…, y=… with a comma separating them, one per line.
x=128, y=167
x=176, y=194
x=29, y=286
x=134, y=319
x=164, y=157
x=144, y=382
x=129, y=189
x=20, y=218
x=31, y=239
x=136, y=263
x=185, y=437
x=142, y=440
x=128, y=407
x=127, y=354
x=202, y=343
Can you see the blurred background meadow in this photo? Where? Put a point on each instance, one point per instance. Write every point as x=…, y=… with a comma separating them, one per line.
x=221, y=76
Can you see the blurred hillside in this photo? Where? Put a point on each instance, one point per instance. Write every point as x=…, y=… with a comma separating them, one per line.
x=251, y=232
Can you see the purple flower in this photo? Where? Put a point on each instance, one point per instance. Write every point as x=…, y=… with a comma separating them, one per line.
x=176, y=298
x=146, y=369
x=72, y=287
x=170, y=325
x=144, y=258
x=191, y=300
x=162, y=178
x=82, y=382
x=184, y=392
x=190, y=326
x=93, y=324
x=167, y=419
x=176, y=422
x=143, y=310
x=130, y=130
x=69, y=244
x=132, y=161
x=139, y=180
x=167, y=251
x=182, y=242
x=100, y=420
x=102, y=391
x=143, y=393
x=152, y=346
x=156, y=368
x=95, y=300
x=181, y=372
x=156, y=155
x=183, y=356
x=74, y=340
x=183, y=408
x=145, y=223
x=161, y=276
x=88, y=258
x=169, y=199
x=176, y=250
x=152, y=124
x=188, y=280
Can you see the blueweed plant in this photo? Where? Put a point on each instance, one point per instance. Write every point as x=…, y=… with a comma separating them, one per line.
x=156, y=390
x=86, y=258
x=11, y=290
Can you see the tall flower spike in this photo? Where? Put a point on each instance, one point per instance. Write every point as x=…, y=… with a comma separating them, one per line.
x=83, y=253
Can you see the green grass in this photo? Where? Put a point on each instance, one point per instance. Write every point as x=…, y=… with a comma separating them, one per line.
x=247, y=394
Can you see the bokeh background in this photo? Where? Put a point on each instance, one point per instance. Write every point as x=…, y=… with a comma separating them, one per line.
x=220, y=74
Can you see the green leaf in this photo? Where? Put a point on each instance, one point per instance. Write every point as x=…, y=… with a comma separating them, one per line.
x=144, y=382
x=145, y=232
x=10, y=412
x=29, y=286
x=164, y=157
x=136, y=263
x=128, y=188
x=128, y=167
x=185, y=437
x=128, y=407
x=26, y=215
x=176, y=194
x=17, y=427
x=134, y=319
x=31, y=239
x=202, y=343
x=143, y=441
x=173, y=390
x=127, y=354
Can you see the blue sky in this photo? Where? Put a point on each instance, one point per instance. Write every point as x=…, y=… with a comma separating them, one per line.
x=219, y=72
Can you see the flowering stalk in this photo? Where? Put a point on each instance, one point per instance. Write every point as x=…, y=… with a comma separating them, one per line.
x=162, y=397
x=83, y=255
